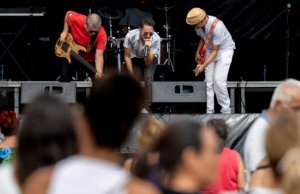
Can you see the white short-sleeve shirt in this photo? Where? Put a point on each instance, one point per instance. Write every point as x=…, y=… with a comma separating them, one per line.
x=221, y=35
x=84, y=175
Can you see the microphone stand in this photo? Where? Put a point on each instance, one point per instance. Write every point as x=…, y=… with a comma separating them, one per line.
x=168, y=61
x=167, y=27
x=287, y=49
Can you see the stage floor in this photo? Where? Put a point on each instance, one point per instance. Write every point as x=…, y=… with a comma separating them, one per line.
x=236, y=90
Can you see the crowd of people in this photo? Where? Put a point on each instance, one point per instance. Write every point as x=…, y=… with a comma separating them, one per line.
x=57, y=148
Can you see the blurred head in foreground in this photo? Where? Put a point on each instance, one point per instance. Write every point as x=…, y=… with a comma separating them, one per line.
x=189, y=152
x=111, y=109
x=283, y=148
x=220, y=127
x=286, y=95
x=149, y=133
x=46, y=135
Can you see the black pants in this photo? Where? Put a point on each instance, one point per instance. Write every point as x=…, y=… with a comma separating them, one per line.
x=138, y=66
x=145, y=73
x=75, y=71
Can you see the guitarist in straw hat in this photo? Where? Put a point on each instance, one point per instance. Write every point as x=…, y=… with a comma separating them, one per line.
x=87, y=32
x=214, y=56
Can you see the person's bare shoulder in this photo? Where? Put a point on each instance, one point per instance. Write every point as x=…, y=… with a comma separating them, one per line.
x=38, y=181
x=139, y=186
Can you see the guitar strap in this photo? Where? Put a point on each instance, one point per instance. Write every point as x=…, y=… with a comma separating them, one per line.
x=91, y=42
x=206, y=41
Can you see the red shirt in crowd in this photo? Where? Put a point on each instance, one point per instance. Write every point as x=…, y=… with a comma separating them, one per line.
x=227, y=173
x=76, y=23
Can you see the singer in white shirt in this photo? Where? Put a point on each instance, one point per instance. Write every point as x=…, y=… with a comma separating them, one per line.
x=141, y=52
x=141, y=48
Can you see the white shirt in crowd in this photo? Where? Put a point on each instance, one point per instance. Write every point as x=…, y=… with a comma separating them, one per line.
x=265, y=191
x=82, y=175
x=221, y=35
x=8, y=183
x=254, y=147
x=134, y=42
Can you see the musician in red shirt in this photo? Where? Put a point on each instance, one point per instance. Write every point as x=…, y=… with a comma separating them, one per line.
x=88, y=32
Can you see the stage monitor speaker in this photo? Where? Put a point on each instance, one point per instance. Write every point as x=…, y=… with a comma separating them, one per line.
x=178, y=92
x=30, y=89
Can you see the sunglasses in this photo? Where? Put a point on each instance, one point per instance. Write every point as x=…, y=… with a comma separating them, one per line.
x=90, y=31
x=146, y=34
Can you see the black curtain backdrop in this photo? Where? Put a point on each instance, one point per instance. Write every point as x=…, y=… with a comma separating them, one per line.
x=257, y=26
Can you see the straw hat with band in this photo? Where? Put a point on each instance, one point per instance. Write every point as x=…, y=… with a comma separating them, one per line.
x=195, y=16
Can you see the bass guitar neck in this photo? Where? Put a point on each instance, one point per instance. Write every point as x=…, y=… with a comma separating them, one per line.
x=83, y=61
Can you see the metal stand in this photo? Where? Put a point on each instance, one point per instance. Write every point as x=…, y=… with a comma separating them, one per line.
x=287, y=50
x=115, y=43
x=111, y=40
x=119, y=40
x=18, y=12
x=8, y=47
x=168, y=61
x=2, y=73
x=110, y=27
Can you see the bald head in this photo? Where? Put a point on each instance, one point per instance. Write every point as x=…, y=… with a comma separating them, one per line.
x=93, y=21
x=287, y=93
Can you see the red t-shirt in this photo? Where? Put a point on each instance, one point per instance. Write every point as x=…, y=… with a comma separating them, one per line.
x=76, y=23
x=227, y=173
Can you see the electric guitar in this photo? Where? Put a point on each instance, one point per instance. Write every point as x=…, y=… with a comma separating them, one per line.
x=70, y=48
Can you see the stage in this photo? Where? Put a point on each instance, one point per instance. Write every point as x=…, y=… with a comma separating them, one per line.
x=236, y=90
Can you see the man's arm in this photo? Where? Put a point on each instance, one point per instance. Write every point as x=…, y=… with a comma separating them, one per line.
x=241, y=175
x=150, y=57
x=201, y=67
x=99, y=62
x=212, y=55
x=127, y=58
x=65, y=31
x=200, y=46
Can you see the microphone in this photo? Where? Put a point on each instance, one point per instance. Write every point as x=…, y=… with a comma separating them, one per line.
x=146, y=51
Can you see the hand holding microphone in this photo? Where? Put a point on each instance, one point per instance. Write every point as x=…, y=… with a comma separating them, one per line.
x=148, y=45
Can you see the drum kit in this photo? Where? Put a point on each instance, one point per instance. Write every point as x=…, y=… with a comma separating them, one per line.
x=114, y=42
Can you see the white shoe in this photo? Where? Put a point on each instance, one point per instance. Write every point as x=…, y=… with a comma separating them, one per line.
x=226, y=111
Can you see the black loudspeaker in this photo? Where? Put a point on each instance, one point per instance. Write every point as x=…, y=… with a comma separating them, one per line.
x=189, y=92
x=30, y=89
x=178, y=97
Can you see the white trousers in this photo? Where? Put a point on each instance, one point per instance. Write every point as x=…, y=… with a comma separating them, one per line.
x=216, y=74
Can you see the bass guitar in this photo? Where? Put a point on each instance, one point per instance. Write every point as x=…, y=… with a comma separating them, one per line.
x=71, y=48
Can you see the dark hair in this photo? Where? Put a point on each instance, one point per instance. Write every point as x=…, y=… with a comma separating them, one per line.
x=175, y=139
x=147, y=21
x=221, y=129
x=46, y=136
x=112, y=107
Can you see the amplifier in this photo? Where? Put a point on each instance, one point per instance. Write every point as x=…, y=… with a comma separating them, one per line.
x=178, y=92
x=31, y=89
